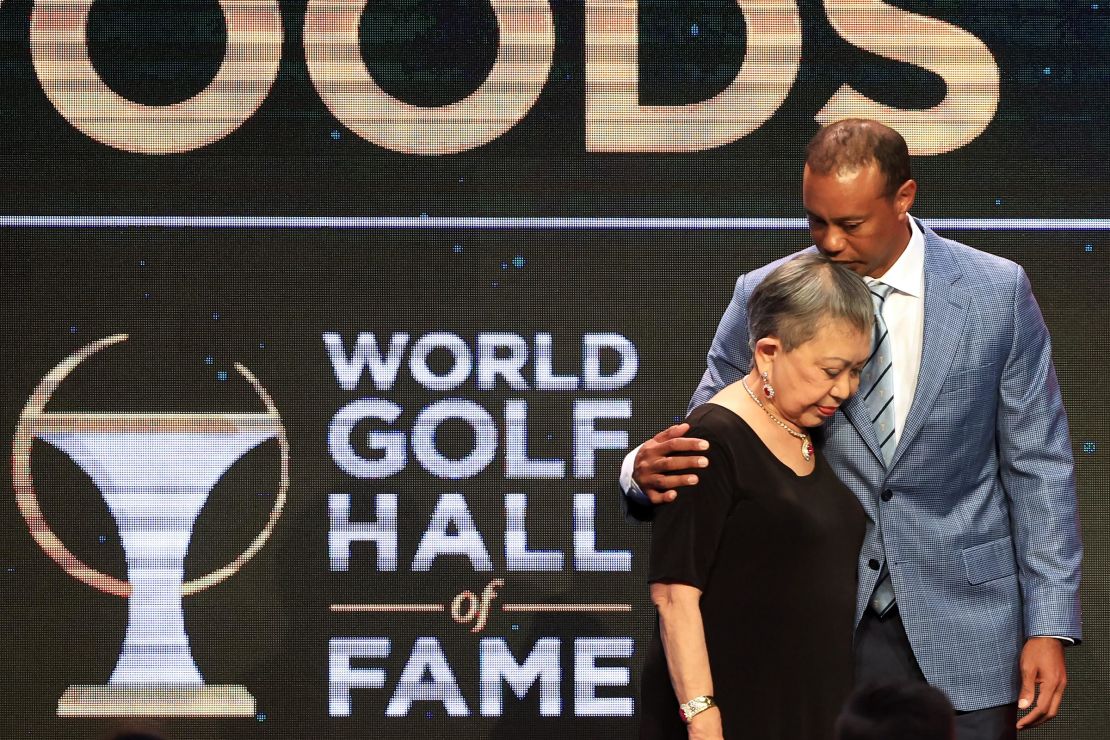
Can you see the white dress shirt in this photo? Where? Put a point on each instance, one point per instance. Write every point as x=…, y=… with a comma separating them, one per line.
x=904, y=314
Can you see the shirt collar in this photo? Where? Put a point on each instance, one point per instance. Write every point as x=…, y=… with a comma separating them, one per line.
x=907, y=274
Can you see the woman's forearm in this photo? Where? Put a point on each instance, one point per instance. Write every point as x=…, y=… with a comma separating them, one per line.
x=683, y=637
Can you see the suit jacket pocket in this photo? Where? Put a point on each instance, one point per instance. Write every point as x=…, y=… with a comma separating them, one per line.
x=990, y=560
x=964, y=380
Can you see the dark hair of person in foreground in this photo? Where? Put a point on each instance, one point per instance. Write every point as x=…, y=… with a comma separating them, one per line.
x=901, y=711
x=135, y=730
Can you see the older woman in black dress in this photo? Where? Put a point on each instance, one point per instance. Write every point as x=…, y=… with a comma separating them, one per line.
x=754, y=574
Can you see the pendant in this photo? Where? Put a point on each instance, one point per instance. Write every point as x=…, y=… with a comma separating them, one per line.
x=807, y=449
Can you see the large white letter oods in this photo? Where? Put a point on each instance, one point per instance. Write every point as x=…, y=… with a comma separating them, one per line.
x=527, y=42
x=60, y=53
x=615, y=120
x=959, y=58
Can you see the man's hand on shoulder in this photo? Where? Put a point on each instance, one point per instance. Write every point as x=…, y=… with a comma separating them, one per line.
x=662, y=466
x=1044, y=675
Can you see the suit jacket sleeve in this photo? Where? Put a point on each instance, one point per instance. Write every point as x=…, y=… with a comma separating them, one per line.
x=1038, y=473
x=729, y=356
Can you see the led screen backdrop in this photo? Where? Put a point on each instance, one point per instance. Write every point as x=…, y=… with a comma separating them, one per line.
x=327, y=325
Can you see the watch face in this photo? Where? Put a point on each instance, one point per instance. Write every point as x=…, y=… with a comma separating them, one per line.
x=697, y=705
x=692, y=708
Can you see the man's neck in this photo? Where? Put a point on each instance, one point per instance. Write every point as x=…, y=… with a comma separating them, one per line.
x=905, y=242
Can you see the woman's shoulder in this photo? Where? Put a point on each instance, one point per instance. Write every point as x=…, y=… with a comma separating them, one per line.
x=729, y=433
x=716, y=423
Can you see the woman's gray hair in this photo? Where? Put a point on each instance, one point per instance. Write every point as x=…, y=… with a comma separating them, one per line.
x=799, y=296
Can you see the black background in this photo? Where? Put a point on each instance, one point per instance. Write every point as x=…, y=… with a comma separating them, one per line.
x=263, y=296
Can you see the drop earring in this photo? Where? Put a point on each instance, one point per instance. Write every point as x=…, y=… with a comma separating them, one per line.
x=768, y=389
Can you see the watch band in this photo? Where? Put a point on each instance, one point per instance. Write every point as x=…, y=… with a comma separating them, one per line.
x=694, y=707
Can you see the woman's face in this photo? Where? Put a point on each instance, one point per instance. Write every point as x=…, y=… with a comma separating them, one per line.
x=812, y=380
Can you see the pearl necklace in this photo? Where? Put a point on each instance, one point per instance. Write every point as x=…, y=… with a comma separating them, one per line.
x=807, y=445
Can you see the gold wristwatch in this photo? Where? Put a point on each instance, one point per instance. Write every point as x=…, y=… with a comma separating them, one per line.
x=694, y=707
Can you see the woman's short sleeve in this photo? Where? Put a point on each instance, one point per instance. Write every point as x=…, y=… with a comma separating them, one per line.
x=686, y=533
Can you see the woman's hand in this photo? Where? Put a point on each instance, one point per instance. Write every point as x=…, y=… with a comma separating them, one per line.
x=706, y=725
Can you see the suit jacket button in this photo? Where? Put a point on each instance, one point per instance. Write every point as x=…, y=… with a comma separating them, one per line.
x=873, y=564
x=887, y=495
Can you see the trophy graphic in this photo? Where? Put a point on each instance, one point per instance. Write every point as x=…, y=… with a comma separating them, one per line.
x=155, y=472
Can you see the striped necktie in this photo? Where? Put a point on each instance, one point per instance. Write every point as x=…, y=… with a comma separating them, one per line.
x=877, y=388
x=877, y=379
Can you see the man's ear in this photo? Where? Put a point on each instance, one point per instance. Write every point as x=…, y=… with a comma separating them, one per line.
x=905, y=195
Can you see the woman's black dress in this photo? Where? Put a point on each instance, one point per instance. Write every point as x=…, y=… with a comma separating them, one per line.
x=774, y=554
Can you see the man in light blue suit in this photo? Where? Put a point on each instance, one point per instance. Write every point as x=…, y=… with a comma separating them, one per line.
x=959, y=449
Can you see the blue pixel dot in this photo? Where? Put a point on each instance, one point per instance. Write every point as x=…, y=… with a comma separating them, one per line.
x=423, y=215
x=142, y=263
x=73, y=329
x=516, y=627
x=495, y=284
x=11, y=570
x=1047, y=70
x=146, y=295
x=209, y=360
x=504, y=265
x=550, y=437
x=261, y=716
x=1094, y=6
x=518, y=261
x=335, y=135
x=998, y=201
x=1089, y=447
x=221, y=375
x=457, y=249
x=1088, y=247
x=102, y=538
x=694, y=30
x=677, y=419
x=262, y=345
x=428, y=715
x=215, y=315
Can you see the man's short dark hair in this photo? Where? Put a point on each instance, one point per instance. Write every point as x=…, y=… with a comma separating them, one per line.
x=901, y=711
x=854, y=143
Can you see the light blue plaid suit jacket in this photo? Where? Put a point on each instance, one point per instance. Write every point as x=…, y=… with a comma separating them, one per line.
x=981, y=534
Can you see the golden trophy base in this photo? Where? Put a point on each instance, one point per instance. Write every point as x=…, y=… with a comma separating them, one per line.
x=153, y=700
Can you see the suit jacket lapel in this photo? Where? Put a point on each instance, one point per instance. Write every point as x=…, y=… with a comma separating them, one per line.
x=858, y=412
x=946, y=306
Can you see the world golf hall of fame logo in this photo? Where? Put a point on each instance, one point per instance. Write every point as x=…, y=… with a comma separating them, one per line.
x=155, y=472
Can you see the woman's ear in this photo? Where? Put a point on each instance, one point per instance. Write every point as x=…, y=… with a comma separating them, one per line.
x=766, y=350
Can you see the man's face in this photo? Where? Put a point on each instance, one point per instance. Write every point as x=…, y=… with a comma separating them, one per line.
x=854, y=222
